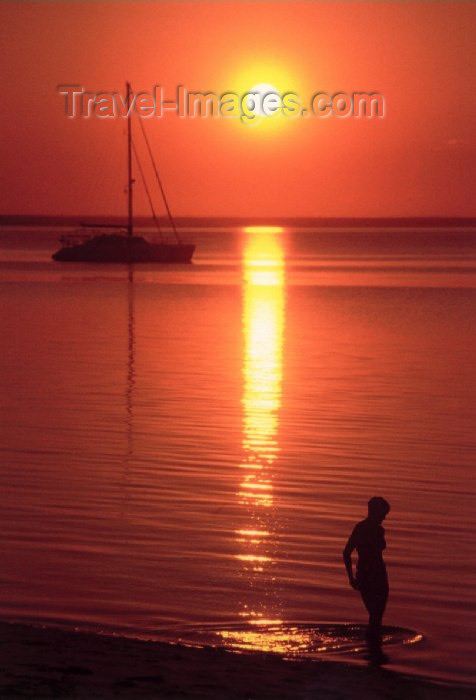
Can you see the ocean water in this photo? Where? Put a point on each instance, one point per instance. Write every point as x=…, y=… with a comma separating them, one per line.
x=185, y=449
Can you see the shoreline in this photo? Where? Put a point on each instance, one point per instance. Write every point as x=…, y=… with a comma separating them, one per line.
x=48, y=662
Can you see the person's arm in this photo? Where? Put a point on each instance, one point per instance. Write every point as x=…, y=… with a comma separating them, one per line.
x=347, y=554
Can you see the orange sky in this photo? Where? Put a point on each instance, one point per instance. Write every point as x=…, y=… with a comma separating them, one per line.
x=418, y=160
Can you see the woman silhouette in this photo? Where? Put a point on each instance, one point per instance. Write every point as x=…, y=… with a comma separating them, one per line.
x=368, y=538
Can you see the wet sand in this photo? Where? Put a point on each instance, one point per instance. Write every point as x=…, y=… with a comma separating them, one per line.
x=51, y=663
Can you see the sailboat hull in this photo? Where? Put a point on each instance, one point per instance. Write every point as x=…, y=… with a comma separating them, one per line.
x=114, y=248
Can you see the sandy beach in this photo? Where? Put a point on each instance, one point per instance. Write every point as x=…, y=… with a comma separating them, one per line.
x=52, y=663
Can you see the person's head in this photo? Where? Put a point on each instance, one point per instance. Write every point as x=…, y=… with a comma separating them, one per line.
x=378, y=509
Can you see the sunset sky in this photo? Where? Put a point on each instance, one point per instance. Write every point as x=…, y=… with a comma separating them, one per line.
x=419, y=159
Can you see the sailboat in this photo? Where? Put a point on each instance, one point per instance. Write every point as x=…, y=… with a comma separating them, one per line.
x=121, y=245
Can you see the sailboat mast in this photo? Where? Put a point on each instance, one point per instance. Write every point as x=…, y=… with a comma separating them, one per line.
x=130, y=181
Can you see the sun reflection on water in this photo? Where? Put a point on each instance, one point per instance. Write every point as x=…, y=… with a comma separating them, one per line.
x=263, y=328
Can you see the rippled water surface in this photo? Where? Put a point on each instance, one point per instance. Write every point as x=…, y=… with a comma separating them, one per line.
x=184, y=450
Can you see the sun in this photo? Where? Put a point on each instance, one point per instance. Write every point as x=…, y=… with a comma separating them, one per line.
x=258, y=93
x=261, y=77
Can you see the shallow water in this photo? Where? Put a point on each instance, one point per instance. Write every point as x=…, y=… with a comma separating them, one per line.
x=189, y=447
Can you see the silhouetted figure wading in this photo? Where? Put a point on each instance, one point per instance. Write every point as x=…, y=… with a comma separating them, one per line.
x=368, y=538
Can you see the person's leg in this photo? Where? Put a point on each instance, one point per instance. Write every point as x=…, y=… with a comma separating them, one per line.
x=375, y=601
